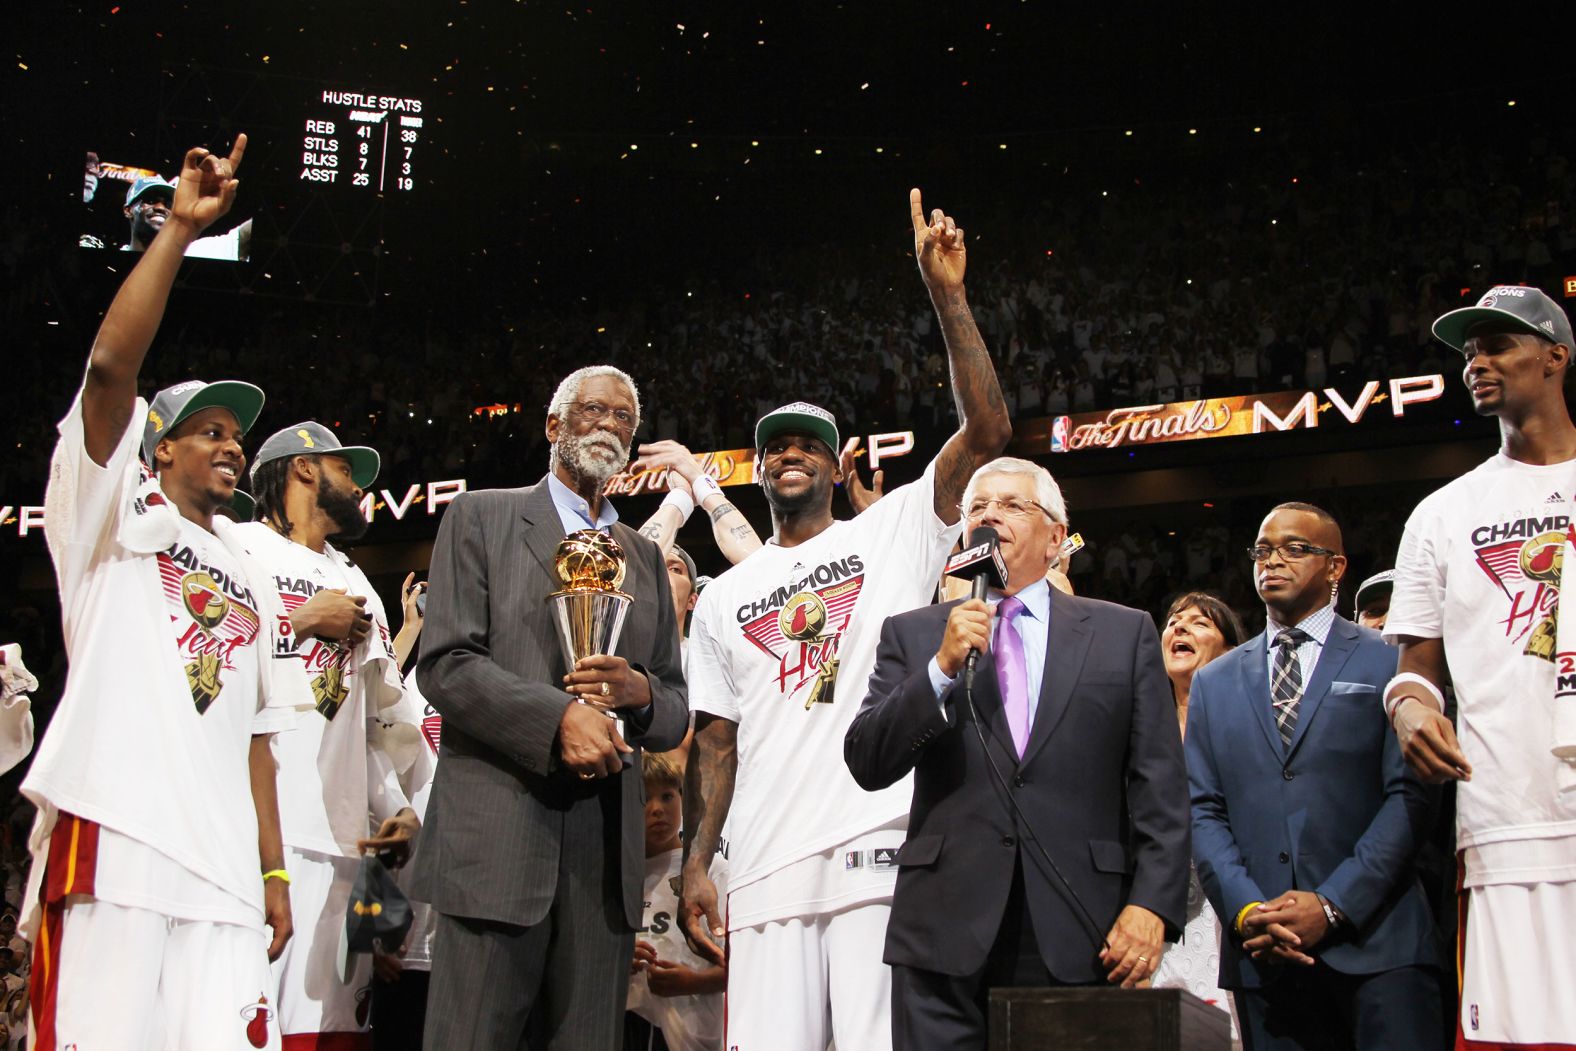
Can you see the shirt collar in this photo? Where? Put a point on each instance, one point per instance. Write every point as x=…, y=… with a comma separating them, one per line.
x=1317, y=624
x=1036, y=599
x=572, y=506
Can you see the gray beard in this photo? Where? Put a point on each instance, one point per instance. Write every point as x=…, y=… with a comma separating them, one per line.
x=576, y=456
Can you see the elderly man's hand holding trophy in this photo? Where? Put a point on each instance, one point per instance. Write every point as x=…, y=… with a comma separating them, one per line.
x=589, y=613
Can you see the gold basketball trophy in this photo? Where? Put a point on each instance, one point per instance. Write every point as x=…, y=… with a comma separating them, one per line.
x=589, y=611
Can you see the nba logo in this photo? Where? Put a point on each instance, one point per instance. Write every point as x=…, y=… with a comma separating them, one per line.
x=1474, y=1017
x=1059, y=434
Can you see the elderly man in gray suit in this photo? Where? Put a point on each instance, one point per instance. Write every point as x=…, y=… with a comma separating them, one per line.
x=533, y=854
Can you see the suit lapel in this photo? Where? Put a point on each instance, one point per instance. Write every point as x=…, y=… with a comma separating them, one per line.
x=545, y=526
x=1338, y=647
x=1065, y=649
x=1256, y=688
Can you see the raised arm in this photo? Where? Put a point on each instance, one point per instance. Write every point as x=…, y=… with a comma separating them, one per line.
x=983, y=425
x=205, y=192
x=735, y=537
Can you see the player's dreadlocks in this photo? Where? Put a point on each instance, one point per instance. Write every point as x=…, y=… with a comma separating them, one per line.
x=269, y=483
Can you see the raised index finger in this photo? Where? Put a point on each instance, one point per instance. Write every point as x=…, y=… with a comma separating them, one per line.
x=237, y=152
x=916, y=211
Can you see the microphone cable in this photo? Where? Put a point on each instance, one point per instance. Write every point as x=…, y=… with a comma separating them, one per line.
x=1001, y=784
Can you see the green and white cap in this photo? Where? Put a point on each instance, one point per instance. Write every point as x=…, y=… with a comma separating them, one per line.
x=800, y=417
x=175, y=404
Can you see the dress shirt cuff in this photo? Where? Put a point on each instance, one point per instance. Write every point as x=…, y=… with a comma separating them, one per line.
x=939, y=680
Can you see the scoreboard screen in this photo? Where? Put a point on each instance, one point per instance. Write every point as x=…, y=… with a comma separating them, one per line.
x=363, y=141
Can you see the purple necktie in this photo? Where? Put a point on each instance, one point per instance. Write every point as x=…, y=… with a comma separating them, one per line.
x=1012, y=673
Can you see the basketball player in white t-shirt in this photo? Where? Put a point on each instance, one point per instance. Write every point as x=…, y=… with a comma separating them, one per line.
x=1475, y=605
x=781, y=646
x=157, y=892
x=334, y=771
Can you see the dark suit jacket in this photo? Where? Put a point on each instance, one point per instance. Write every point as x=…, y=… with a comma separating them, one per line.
x=1102, y=783
x=492, y=665
x=1338, y=813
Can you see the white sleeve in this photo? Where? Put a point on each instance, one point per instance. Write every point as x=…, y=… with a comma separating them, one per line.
x=84, y=502
x=711, y=686
x=385, y=798
x=226, y=246
x=1417, y=599
x=908, y=516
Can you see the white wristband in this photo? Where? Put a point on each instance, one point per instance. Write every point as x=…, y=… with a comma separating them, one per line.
x=678, y=498
x=703, y=486
x=1391, y=703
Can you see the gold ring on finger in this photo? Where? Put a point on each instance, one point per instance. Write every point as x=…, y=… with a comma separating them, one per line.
x=605, y=690
x=587, y=777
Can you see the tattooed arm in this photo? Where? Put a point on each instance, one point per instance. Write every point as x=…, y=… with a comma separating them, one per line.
x=708, y=793
x=983, y=424
x=735, y=537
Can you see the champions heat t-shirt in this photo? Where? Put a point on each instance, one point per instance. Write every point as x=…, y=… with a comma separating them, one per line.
x=1479, y=566
x=784, y=644
x=323, y=762
x=152, y=735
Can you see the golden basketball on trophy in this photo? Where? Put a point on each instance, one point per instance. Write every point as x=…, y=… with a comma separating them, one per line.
x=589, y=609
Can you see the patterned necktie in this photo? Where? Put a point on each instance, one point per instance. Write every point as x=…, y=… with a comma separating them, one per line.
x=1012, y=674
x=1286, y=688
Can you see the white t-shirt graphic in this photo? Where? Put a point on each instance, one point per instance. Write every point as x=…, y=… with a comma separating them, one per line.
x=1479, y=566
x=784, y=644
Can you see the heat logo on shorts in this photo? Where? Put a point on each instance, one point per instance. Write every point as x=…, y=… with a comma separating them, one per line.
x=1524, y=559
x=803, y=635
x=257, y=1016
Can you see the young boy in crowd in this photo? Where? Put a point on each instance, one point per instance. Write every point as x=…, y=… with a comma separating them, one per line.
x=675, y=996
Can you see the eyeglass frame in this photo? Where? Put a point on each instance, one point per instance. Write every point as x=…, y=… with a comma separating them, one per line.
x=968, y=513
x=582, y=412
x=1271, y=549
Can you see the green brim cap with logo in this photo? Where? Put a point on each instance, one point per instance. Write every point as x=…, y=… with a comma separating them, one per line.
x=1508, y=308
x=310, y=438
x=173, y=405
x=799, y=417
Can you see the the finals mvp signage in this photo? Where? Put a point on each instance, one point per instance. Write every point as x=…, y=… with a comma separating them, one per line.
x=1182, y=421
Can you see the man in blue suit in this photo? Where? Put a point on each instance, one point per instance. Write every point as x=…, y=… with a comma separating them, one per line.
x=1306, y=819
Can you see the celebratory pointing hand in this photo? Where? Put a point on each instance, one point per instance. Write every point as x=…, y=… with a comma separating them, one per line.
x=207, y=186
x=938, y=246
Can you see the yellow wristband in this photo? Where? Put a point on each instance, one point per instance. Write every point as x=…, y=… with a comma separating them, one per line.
x=1249, y=907
x=278, y=874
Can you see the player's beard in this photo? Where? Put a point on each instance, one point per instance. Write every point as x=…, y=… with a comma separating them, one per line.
x=596, y=457
x=344, y=510
x=812, y=498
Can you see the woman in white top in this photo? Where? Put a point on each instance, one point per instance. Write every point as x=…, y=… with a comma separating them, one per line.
x=1199, y=627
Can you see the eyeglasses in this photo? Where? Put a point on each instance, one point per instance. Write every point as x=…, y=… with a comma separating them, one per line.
x=596, y=412
x=1295, y=551
x=1012, y=507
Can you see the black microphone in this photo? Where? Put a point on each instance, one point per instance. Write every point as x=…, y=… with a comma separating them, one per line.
x=981, y=564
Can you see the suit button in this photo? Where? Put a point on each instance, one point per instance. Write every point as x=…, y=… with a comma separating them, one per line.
x=1017, y=781
x=1284, y=857
x=1008, y=841
x=1287, y=775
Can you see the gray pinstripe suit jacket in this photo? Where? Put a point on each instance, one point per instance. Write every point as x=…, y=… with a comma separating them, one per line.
x=491, y=665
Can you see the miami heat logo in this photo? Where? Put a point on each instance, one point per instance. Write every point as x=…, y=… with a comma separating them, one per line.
x=257, y=1016
x=803, y=619
x=204, y=601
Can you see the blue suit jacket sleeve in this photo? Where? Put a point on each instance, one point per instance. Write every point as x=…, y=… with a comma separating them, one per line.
x=1220, y=869
x=1384, y=853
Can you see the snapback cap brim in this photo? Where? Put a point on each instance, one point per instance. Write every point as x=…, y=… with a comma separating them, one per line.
x=241, y=398
x=1452, y=329
x=364, y=463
